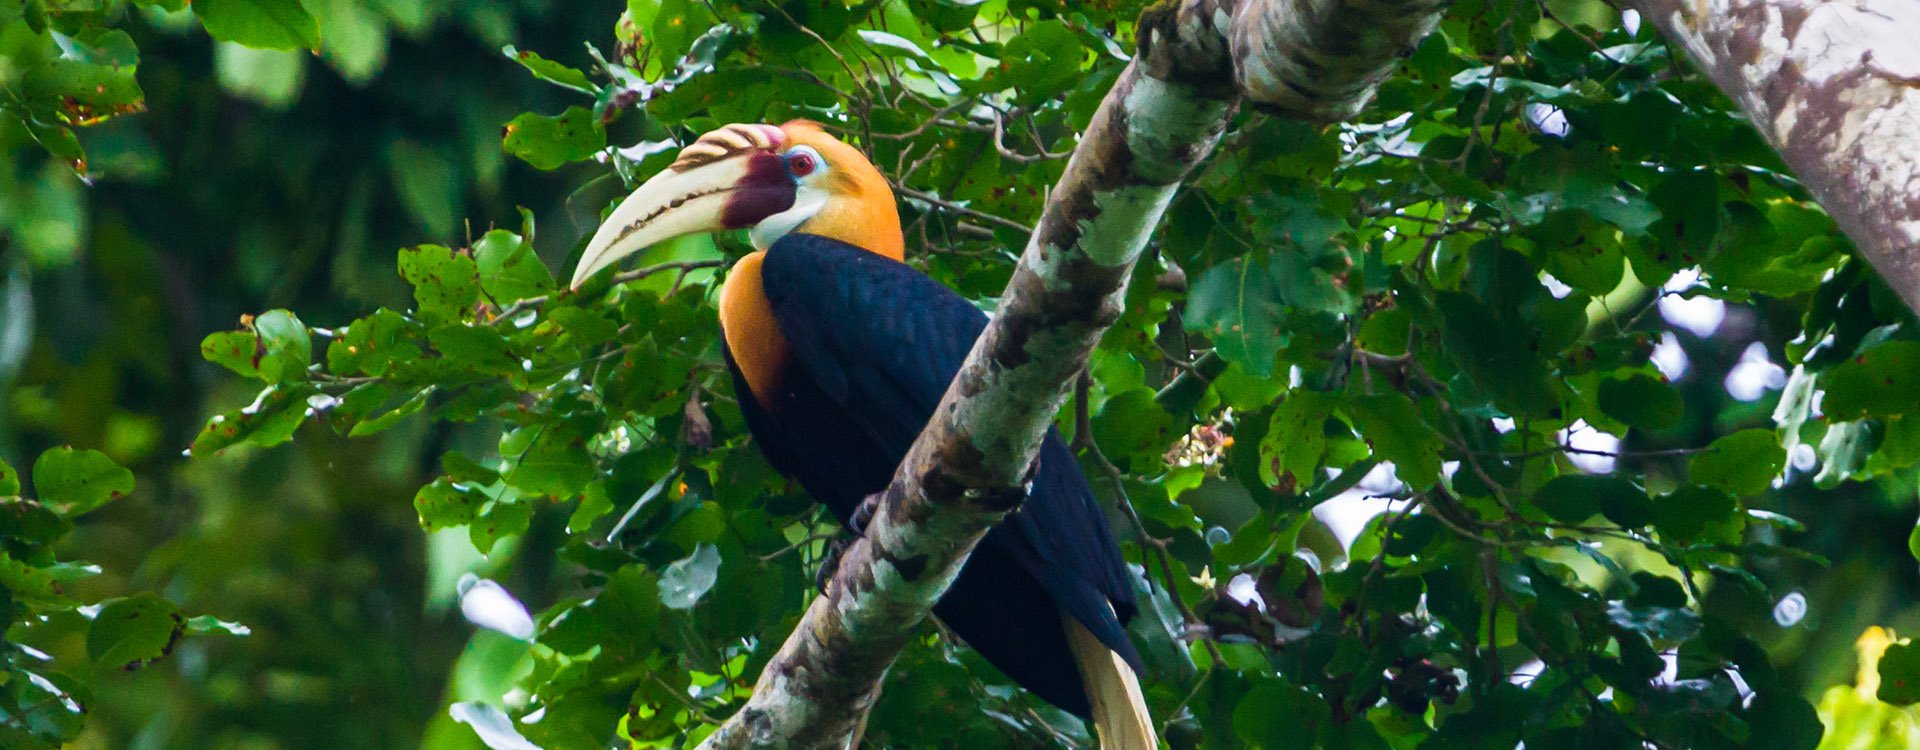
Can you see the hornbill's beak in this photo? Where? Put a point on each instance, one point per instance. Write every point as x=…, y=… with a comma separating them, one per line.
x=729, y=179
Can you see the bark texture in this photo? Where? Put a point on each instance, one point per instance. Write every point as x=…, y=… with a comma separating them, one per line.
x=968, y=468
x=1834, y=85
x=1321, y=60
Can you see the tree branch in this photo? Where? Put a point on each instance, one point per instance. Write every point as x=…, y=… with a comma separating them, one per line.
x=1321, y=60
x=1834, y=88
x=966, y=471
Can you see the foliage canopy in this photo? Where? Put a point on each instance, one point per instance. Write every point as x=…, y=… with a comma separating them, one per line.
x=1415, y=425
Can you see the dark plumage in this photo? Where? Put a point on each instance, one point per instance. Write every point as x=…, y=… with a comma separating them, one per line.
x=874, y=344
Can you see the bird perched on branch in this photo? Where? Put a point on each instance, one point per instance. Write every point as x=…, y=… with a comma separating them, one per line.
x=840, y=352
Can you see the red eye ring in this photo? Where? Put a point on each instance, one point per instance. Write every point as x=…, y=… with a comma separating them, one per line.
x=800, y=164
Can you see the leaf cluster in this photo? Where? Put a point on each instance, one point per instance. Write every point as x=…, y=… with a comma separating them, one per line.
x=1424, y=314
x=43, y=601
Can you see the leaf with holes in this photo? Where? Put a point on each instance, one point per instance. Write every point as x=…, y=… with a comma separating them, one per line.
x=552, y=142
x=445, y=284
x=509, y=269
x=1881, y=382
x=77, y=481
x=133, y=632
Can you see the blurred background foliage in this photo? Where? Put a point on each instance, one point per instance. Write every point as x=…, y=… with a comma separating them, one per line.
x=1535, y=405
x=257, y=178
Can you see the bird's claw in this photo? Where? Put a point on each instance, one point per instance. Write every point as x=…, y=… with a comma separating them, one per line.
x=863, y=513
x=830, y=564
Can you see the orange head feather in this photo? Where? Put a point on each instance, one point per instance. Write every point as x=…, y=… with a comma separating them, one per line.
x=859, y=207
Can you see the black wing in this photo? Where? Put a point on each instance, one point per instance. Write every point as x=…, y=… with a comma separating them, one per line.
x=883, y=341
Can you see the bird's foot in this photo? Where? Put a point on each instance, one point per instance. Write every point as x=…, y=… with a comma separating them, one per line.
x=863, y=513
x=830, y=564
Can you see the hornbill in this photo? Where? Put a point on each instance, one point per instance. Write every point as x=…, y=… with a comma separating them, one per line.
x=840, y=352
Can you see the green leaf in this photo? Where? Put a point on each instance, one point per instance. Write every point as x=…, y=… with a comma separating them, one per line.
x=60, y=142
x=555, y=465
x=586, y=327
x=287, y=346
x=78, y=93
x=9, y=479
x=498, y=521
x=1237, y=306
x=382, y=423
x=42, y=584
x=1579, y=251
x=551, y=142
x=686, y=580
x=478, y=348
x=1670, y=624
x=1690, y=212
x=459, y=468
x=270, y=420
x=1132, y=428
x=78, y=481
x=509, y=269
x=109, y=47
x=374, y=346
x=1577, y=176
x=1296, y=438
x=1498, y=357
x=446, y=504
x=30, y=523
x=1743, y=463
x=671, y=31
x=1573, y=498
x=1276, y=715
x=1042, y=61
x=550, y=71
x=1901, y=446
x=894, y=45
x=1880, y=382
x=626, y=609
x=133, y=632
x=277, y=348
x=266, y=24
x=1900, y=674
x=445, y=284
x=1687, y=513
x=1641, y=400
x=1393, y=426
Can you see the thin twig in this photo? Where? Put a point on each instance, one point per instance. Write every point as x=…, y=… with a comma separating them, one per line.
x=683, y=266
x=962, y=210
x=1083, y=440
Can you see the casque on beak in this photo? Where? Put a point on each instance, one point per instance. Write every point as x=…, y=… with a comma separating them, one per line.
x=730, y=178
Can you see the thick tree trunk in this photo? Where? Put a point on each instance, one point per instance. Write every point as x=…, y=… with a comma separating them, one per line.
x=966, y=471
x=1834, y=85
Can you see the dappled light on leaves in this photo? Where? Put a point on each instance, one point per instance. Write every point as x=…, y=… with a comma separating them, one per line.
x=1526, y=408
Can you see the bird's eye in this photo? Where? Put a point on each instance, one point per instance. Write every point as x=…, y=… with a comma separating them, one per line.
x=801, y=163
